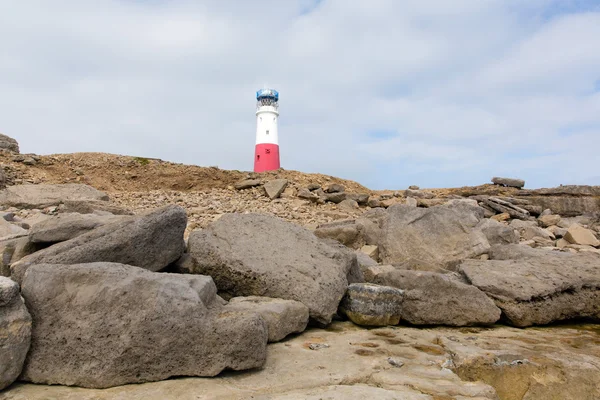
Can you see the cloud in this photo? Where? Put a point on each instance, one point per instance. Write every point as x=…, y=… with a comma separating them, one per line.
x=387, y=93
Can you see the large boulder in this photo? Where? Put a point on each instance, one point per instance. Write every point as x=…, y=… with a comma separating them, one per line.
x=14, y=249
x=274, y=188
x=262, y=255
x=8, y=230
x=67, y=226
x=577, y=234
x=46, y=195
x=372, y=305
x=283, y=317
x=346, y=232
x=510, y=182
x=151, y=241
x=538, y=286
x=438, y=299
x=15, y=332
x=103, y=324
x=438, y=235
x=8, y=143
x=497, y=232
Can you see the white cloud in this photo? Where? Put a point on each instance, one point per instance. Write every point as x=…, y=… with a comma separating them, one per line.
x=470, y=88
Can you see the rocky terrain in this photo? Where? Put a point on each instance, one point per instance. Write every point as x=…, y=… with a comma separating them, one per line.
x=201, y=283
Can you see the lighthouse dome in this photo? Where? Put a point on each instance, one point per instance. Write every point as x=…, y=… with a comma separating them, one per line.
x=267, y=94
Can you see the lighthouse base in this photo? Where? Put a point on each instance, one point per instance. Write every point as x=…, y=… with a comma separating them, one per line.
x=266, y=157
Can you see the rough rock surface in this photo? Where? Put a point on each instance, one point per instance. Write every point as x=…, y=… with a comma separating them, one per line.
x=10, y=230
x=92, y=207
x=442, y=363
x=102, y=324
x=498, y=233
x=346, y=232
x=283, y=317
x=372, y=305
x=43, y=195
x=261, y=255
x=539, y=287
x=8, y=143
x=431, y=298
x=67, y=226
x=274, y=188
x=15, y=332
x=438, y=235
x=511, y=182
x=577, y=234
x=150, y=241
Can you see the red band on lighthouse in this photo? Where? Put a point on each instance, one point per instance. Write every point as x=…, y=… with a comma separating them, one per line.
x=266, y=157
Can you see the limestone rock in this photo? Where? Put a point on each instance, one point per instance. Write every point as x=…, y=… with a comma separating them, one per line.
x=374, y=202
x=371, y=251
x=92, y=207
x=437, y=299
x=360, y=198
x=411, y=202
x=46, y=195
x=313, y=186
x=549, y=220
x=568, y=206
x=67, y=226
x=8, y=143
x=261, y=255
x=7, y=229
x=275, y=187
x=498, y=233
x=122, y=324
x=372, y=305
x=439, y=235
x=503, y=206
x=283, y=317
x=334, y=188
x=12, y=250
x=511, y=182
x=348, y=204
x=346, y=232
x=501, y=217
x=247, y=184
x=577, y=234
x=539, y=287
x=344, y=392
x=335, y=197
x=151, y=241
x=15, y=332
x=307, y=195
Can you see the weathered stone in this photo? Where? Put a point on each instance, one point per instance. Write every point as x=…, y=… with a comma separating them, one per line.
x=501, y=217
x=313, y=186
x=346, y=232
x=549, y=220
x=371, y=251
x=344, y=392
x=540, y=287
x=261, y=255
x=348, y=204
x=151, y=241
x=372, y=305
x=283, y=317
x=307, y=195
x=361, y=198
x=247, y=184
x=275, y=187
x=46, y=195
x=8, y=229
x=67, y=226
x=418, y=194
x=8, y=143
x=568, y=206
x=12, y=250
x=439, y=235
x=390, y=202
x=15, y=332
x=411, y=202
x=503, y=206
x=334, y=188
x=577, y=234
x=92, y=207
x=432, y=298
x=511, y=182
x=414, y=187
x=557, y=231
x=336, y=197
x=498, y=233
x=122, y=324
x=374, y=202
x=535, y=231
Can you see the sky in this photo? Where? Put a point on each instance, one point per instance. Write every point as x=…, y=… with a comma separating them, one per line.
x=388, y=93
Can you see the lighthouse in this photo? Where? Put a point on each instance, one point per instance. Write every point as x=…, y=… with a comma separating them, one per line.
x=266, y=152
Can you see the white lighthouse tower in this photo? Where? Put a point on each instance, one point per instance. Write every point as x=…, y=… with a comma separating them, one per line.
x=266, y=152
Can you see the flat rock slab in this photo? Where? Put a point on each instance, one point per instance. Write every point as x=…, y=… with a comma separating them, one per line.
x=444, y=363
x=262, y=255
x=438, y=299
x=100, y=325
x=15, y=332
x=151, y=241
x=577, y=234
x=46, y=195
x=511, y=182
x=283, y=317
x=67, y=226
x=540, y=289
x=274, y=188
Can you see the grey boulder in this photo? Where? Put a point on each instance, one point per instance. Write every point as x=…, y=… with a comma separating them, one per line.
x=67, y=226
x=438, y=235
x=372, y=305
x=497, y=232
x=511, y=182
x=283, y=317
x=46, y=195
x=439, y=299
x=151, y=241
x=15, y=332
x=539, y=287
x=262, y=255
x=100, y=325
x=8, y=143
x=274, y=188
